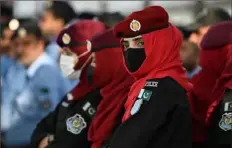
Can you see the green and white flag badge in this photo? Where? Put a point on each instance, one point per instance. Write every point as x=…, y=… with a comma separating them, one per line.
x=145, y=94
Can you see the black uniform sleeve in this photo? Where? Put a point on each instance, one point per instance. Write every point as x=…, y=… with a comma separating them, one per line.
x=45, y=127
x=162, y=121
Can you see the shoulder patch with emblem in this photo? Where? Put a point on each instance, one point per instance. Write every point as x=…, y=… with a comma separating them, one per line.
x=226, y=122
x=145, y=94
x=76, y=124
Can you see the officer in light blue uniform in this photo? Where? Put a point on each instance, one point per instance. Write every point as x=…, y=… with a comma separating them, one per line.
x=31, y=92
x=56, y=15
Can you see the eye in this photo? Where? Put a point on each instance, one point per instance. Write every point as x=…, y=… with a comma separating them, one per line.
x=125, y=45
x=140, y=43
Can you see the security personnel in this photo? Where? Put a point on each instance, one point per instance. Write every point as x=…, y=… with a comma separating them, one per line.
x=219, y=110
x=67, y=125
x=96, y=93
x=31, y=93
x=157, y=111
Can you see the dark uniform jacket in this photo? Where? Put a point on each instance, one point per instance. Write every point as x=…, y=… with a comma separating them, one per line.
x=68, y=123
x=162, y=120
x=219, y=135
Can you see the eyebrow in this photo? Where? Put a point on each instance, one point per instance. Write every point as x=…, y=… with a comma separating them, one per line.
x=135, y=39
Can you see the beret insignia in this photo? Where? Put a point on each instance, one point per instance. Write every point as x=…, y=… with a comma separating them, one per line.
x=135, y=25
x=66, y=39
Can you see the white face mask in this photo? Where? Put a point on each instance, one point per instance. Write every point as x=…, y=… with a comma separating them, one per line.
x=67, y=64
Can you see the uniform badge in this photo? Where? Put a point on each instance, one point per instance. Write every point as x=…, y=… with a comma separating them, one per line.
x=145, y=94
x=152, y=84
x=89, y=109
x=228, y=106
x=226, y=122
x=66, y=39
x=76, y=124
x=135, y=25
x=137, y=106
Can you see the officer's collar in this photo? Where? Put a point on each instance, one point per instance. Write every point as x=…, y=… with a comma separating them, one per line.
x=43, y=59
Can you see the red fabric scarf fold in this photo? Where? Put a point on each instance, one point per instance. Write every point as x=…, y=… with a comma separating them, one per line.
x=110, y=109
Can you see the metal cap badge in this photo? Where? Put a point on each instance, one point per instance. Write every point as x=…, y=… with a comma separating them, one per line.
x=66, y=39
x=135, y=25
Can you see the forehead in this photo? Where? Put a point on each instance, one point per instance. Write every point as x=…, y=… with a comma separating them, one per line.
x=139, y=37
x=48, y=13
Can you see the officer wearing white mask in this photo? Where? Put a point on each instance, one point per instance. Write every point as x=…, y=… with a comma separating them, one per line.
x=68, y=124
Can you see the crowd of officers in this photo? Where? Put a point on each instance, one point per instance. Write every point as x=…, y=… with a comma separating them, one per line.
x=136, y=82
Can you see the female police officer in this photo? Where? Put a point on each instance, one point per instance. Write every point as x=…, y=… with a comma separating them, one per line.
x=157, y=109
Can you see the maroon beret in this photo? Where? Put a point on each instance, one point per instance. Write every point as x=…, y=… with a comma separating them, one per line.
x=77, y=33
x=140, y=22
x=218, y=35
x=104, y=40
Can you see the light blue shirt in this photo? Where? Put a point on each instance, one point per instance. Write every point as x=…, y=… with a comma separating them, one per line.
x=30, y=96
x=6, y=63
x=52, y=50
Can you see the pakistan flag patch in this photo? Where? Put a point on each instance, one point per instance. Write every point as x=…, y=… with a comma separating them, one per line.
x=145, y=94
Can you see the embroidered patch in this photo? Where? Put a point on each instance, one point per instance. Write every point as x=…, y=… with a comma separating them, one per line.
x=226, y=122
x=137, y=106
x=152, y=84
x=89, y=109
x=145, y=94
x=228, y=106
x=135, y=25
x=76, y=124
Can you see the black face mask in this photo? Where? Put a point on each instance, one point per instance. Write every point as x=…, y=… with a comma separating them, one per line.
x=134, y=58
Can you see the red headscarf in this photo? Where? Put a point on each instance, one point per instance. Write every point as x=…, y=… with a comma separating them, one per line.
x=213, y=59
x=114, y=92
x=110, y=108
x=162, y=49
x=223, y=82
x=212, y=63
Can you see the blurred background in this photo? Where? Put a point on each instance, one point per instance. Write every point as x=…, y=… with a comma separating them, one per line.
x=181, y=12
x=31, y=79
